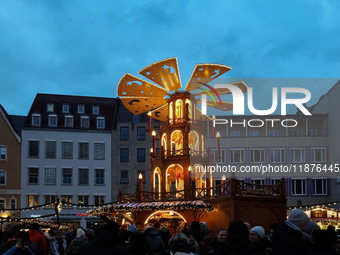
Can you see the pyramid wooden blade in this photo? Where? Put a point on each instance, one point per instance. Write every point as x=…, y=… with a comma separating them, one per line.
x=130, y=86
x=138, y=105
x=165, y=73
x=160, y=113
x=205, y=73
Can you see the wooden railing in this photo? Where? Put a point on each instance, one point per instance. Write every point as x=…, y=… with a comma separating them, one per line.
x=231, y=187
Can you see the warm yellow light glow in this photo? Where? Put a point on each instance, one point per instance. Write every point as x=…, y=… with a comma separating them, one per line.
x=151, y=150
x=149, y=113
x=213, y=117
x=187, y=101
x=140, y=176
x=190, y=168
x=153, y=133
x=218, y=135
x=175, y=213
x=223, y=177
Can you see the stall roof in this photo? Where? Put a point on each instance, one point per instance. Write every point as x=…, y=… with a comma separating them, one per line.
x=152, y=206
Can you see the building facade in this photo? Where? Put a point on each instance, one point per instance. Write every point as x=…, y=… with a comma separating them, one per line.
x=10, y=163
x=66, y=156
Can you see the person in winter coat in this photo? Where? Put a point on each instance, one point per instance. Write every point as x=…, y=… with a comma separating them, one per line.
x=165, y=235
x=195, y=249
x=36, y=236
x=58, y=244
x=288, y=237
x=179, y=245
x=237, y=241
x=137, y=244
x=11, y=246
x=76, y=242
x=105, y=243
x=195, y=229
x=258, y=238
x=155, y=244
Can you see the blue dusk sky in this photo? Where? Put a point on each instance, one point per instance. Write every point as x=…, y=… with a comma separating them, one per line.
x=82, y=47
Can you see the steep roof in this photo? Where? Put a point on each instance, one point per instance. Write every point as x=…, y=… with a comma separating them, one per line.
x=15, y=123
x=107, y=108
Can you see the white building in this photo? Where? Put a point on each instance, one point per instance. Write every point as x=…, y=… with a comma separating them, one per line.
x=66, y=154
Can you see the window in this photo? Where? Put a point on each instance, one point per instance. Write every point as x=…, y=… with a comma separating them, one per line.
x=66, y=108
x=50, y=176
x=84, y=122
x=83, y=177
x=50, y=107
x=298, y=187
x=141, y=133
x=99, y=151
x=237, y=156
x=49, y=199
x=2, y=203
x=67, y=149
x=124, y=133
x=2, y=178
x=35, y=119
x=318, y=155
x=221, y=159
x=101, y=122
x=297, y=155
x=141, y=155
x=275, y=181
x=83, y=150
x=68, y=121
x=32, y=200
x=99, y=179
x=257, y=155
x=312, y=132
x=319, y=186
x=124, y=155
x=254, y=133
x=81, y=108
x=33, y=149
x=293, y=132
x=124, y=177
x=83, y=200
x=258, y=181
x=3, y=153
x=67, y=199
x=50, y=149
x=277, y=156
x=99, y=200
x=52, y=120
x=95, y=110
x=33, y=175
x=67, y=176
x=274, y=133
x=12, y=203
x=143, y=174
x=235, y=133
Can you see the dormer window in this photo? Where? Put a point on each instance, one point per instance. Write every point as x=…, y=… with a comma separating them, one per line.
x=36, y=119
x=101, y=122
x=68, y=121
x=52, y=120
x=84, y=122
x=50, y=107
x=81, y=108
x=95, y=110
x=66, y=108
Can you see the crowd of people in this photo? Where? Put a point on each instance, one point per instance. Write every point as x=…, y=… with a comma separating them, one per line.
x=296, y=236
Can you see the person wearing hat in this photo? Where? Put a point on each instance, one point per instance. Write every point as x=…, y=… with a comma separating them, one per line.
x=258, y=238
x=76, y=242
x=11, y=245
x=288, y=237
x=195, y=249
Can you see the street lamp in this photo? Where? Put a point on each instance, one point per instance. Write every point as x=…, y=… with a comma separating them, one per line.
x=213, y=118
